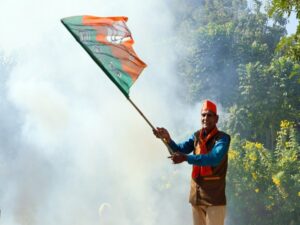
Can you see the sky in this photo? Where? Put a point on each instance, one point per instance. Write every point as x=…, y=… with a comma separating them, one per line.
x=292, y=24
x=73, y=150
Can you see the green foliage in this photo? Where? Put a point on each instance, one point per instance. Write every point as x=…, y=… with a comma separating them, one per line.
x=268, y=94
x=284, y=6
x=289, y=45
x=265, y=185
x=225, y=36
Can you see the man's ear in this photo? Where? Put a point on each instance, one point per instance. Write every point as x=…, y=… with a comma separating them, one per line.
x=217, y=119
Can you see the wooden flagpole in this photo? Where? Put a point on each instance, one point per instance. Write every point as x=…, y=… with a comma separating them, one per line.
x=150, y=124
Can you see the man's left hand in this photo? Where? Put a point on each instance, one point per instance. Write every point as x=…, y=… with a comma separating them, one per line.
x=178, y=157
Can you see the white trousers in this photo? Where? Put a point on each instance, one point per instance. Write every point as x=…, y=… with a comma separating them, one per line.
x=208, y=215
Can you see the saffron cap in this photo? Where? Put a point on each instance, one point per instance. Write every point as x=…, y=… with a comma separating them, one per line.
x=209, y=105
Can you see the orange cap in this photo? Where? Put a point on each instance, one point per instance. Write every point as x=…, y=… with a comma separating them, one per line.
x=208, y=105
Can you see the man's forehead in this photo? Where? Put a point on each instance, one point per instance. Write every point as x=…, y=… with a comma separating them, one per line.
x=207, y=111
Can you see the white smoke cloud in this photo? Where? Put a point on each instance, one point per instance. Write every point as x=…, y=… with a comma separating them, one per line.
x=73, y=150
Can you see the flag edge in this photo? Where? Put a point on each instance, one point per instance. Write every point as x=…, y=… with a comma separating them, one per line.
x=96, y=61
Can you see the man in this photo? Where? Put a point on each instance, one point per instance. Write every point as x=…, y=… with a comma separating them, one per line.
x=209, y=160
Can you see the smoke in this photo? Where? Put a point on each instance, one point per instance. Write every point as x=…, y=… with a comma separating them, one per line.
x=73, y=150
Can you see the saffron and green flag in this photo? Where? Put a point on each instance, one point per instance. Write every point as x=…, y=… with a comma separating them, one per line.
x=109, y=42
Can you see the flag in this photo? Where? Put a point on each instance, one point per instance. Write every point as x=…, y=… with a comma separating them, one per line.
x=109, y=42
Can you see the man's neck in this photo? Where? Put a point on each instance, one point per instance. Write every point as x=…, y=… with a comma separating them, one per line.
x=207, y=131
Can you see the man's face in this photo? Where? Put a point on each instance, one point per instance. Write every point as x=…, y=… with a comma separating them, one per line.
x=209, y=120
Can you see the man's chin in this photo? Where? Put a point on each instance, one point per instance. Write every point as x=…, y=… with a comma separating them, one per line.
x=207, y=128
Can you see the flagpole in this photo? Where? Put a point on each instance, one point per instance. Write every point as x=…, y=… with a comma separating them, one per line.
x=150, y=124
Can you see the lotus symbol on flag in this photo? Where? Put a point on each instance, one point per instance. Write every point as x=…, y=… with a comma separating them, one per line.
x=117, y=34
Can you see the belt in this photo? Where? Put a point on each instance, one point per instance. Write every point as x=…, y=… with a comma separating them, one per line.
x=211, y=178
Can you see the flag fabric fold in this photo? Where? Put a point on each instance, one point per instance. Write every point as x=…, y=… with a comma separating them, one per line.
x=109, y=42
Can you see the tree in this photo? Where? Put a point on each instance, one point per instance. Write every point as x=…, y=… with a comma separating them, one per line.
x=289, y=45
x=225, y=35
x=264, y=183
x=268, y=94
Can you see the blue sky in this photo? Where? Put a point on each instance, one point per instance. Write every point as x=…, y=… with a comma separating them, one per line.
x=292, y=24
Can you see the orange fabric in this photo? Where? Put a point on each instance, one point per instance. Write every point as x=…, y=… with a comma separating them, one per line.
x=203, y=170
x=101, y=38
x=209, y=105
x=94, y=20
x=105, y=27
